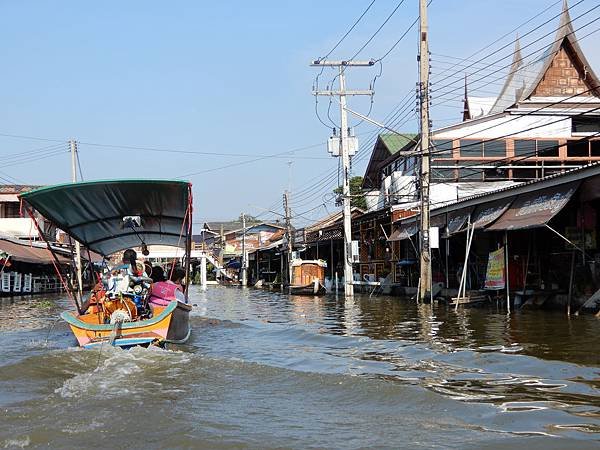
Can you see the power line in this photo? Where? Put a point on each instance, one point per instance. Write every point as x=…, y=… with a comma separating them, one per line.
x=391, y=49
x=516, y=29
x=378, y=30
x=34, y=138
x=349, y=31
x=195, y=152
x=522, y=58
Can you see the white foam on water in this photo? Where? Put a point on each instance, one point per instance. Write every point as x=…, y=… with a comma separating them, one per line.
x=112, y=376
x=74, y=429
x=17, y=443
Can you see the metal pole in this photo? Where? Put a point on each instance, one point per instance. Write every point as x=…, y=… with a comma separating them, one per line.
x=188, y=252
x=244, y=280
x=571, y=283
x=331, y=256
x=348, y=277
x=425, y=258
x=73, y=145
x=506, y=271
x=188, y=244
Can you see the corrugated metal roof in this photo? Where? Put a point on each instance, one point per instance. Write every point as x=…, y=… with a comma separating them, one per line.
x=396, y=142
x=578, y=173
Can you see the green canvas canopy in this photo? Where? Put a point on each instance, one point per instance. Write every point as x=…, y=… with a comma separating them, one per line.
x=96, y=213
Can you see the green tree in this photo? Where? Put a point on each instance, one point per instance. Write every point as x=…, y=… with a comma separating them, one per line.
x=249, y=219
x=358, y=199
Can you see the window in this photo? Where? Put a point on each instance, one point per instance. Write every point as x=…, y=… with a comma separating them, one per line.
x=578, y=148
x=410, y=166
x=547, y=148
x=585, y=124
x=524, y=171
x=524, y=147
x=471, y=148
x=496, y=174
x=442, y=170
x=11, y=210
x=442, y=148
x=494, y=148
x=467, y=173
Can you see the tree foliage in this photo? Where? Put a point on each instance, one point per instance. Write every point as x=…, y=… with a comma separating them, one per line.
x=357, y=197
x=250, y=219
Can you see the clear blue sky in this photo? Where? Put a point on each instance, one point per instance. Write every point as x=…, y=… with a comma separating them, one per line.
x=226, y=77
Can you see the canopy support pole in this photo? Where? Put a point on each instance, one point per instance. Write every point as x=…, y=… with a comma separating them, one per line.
x=571, y=284
x=56, y=262
x=506, y=271
x=188, y=245
x=447, y=271
x=565, y=239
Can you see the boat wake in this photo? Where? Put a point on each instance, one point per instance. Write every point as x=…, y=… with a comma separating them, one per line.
x=121, y=373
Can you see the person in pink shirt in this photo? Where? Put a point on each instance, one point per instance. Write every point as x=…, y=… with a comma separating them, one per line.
x=164, y=292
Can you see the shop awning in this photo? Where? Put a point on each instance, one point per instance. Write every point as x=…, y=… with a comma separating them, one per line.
x=405, y=231
x=535, y=209
x=411, y=227
x=438, y=220
x=457, y=220
x=487, y=213
x=27, y=254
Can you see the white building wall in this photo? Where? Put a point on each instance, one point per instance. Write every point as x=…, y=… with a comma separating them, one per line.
x=547, y=127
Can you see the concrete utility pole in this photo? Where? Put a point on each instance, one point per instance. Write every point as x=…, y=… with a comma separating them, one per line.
x=222, y=252
x=244, y=275
x=288, y=227
x=342, y=93
x=73, y=145
x=425, y=263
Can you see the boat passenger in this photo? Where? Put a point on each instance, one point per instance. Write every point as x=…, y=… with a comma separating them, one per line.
x=177, y=276
x=164, y=292
x=130, y=259
x=157, y=274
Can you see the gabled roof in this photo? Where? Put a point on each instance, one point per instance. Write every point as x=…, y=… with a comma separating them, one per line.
x=387, y=144
x=565, y=38
x=514, y=85
x=530, y=80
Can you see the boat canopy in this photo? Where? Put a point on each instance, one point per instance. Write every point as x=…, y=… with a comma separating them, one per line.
x=108, y=216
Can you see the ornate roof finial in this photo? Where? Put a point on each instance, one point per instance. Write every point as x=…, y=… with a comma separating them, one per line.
x=466, y=109
x=565, y=26
x=517, y=57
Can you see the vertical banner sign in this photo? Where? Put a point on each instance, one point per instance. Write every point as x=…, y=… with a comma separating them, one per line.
x=494, y=275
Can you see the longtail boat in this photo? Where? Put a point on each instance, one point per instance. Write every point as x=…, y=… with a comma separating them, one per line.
x=110, y=216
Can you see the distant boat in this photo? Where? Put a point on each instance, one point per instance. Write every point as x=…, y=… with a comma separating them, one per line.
x=110, y=216
x=308, y=277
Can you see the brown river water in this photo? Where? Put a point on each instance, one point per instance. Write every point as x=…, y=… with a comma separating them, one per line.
x=264, y=370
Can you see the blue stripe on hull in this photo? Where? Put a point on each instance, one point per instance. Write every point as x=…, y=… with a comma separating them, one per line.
x=123, y=342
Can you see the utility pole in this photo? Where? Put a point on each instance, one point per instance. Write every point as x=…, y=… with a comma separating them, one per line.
x=344, y=153
x=222, y=252
x=425, y=258
x=244, y=278
x=288, y=225
x=73, y=145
